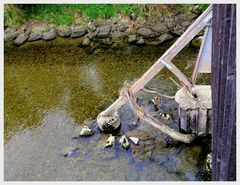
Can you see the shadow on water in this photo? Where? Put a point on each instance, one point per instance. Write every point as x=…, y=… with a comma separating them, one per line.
x=51, y=88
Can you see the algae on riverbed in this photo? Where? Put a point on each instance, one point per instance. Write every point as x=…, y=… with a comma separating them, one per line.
x=37, y=75
x=52, y=87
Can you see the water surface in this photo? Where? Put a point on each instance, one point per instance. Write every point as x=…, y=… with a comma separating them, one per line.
x=50, y=88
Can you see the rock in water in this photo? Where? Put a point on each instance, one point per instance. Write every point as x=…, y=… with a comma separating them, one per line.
x=78, y=31
x=208, y=163
x=166, y=116
x=35, y=36
x=156, y=100
x=132, y=38
x=8, y=36
x=160, y=28
x=123, y=28
x=85, y=131
x=72, y=153
x=117, y=36
x=136, y=121
x=124, y=142
x=140, y=41
x=50, y=35
x=147, y=33
x=165, y=37
x=91, y=27
x=93, y=35
x=134, y=140
x=109, y=123
x=21, y=39
x=86, y=42
x=89, y=49
x=104, y=31
x=110, y=141
x=64, y=31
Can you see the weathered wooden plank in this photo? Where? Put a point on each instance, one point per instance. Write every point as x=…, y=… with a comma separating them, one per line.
x=202, y=122
x=194, y=121
x=209, y=121
x=227, y=130
x=222, y=103
x=224, y=92
x=183, y=119
x=203, y=62
x=230, y=94
x=216, y=58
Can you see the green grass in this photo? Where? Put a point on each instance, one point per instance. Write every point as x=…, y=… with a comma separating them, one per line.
x=64, y=14
x=203, y=7
x=13, y=15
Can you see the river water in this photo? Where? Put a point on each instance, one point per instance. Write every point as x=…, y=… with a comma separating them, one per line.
x=50, y=88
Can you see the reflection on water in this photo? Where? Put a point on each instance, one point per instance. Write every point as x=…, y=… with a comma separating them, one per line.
x=51, y=88
x=92, y=77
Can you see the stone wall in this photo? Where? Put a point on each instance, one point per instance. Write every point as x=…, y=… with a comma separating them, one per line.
x=133, y=30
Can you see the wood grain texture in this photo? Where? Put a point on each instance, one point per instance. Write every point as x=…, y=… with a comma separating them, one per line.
x=224, y=92
x=194, y=120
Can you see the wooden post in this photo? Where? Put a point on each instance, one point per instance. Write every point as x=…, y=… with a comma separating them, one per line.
x=194, y=119
x=224, y=92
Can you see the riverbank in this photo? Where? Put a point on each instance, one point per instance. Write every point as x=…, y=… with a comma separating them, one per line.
x=132, y=29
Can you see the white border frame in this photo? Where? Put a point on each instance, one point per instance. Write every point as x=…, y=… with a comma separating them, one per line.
x=104, y=2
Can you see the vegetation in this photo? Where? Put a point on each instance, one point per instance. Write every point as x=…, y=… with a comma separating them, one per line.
x=13, y=15
x=203, y=6
x=66, y=14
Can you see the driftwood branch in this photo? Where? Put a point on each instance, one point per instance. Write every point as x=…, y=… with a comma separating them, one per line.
x=186, y=138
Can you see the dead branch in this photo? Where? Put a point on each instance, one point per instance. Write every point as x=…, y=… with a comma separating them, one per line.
x=186, y=138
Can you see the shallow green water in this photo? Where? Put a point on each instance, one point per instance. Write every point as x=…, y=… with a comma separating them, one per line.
x=52, y=87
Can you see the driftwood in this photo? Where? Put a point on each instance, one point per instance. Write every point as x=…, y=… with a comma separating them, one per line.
x=165, y=60
x=186, y=138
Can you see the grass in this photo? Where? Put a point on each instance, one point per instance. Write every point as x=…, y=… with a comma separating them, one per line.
x=13, y=15
x=203, y=7
x=65, y=14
